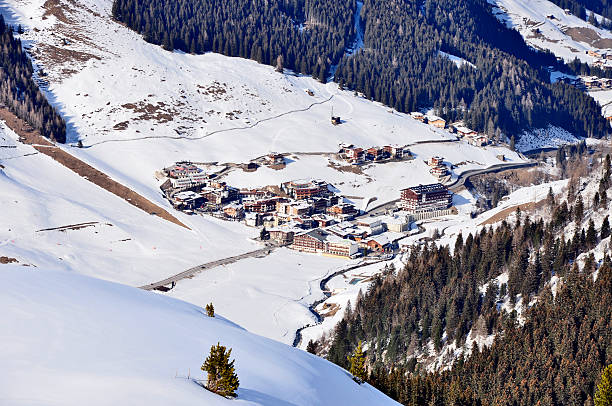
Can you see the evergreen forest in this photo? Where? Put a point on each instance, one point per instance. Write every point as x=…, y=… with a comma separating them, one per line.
x=550, y=354
x=19, y=92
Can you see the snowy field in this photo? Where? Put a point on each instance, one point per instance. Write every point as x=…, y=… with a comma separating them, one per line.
x=121, y=243
x=604, y=98
x=565, y=35
x=73, y=340
x=268, y=296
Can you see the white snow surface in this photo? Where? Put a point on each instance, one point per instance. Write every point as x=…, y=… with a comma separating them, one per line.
x=204, y=108
x=604, y=98
x=122, y=243
x=457, y=60
x=550, y=137
x=74, y=340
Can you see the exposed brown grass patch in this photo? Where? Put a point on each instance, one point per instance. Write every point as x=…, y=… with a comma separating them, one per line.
x=504, y=214
x=160, y=112
x=7, y=260
x=346, y=168
x=588, y=35
x=54, y=8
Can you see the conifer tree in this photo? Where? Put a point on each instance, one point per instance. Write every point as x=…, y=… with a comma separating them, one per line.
x=312, y=347
x=222, y=378
x=357, y=362
x=579, y=210
x=591, y=234
x=210, y=310
x=550, y=199
x=605, y=228
x=603, y=395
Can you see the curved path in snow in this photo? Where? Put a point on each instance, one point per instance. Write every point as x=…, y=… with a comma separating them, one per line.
x=184, y=137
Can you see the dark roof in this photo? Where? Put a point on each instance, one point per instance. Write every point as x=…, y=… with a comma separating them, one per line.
x=317, y=234
x=434, y=187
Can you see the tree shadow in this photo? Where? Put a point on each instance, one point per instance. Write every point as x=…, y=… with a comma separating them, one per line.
x=262, y=398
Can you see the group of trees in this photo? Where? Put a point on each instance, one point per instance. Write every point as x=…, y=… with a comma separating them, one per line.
x=555, y=358
x=505, y=90
x=440, y=296
x=19, y=92
x=579, y=8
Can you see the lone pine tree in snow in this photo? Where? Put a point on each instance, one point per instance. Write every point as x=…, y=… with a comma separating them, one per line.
x=210, y=310
x=603, y=395
x=222, y=378
x=357, y=361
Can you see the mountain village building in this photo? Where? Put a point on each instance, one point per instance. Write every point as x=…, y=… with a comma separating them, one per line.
x=425, y=198
x=184, y=175
x=322, y=242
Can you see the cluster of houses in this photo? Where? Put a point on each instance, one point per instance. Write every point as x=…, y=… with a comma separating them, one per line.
x=348, y=239
x=374, y=234
x=305, y=204
x=306, y=215
x=357, y=155
x=587, y=82
x=591, y=82
x=602, y=59
x=471, y=136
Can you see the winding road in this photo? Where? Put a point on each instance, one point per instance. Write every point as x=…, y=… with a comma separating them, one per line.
x=159, y=285
x=456, y=185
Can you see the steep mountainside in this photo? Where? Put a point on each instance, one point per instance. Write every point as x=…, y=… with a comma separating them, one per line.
x=399, y=64
x=523, y=307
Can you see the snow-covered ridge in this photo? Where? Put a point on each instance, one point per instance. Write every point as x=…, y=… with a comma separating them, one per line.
x=74, y=340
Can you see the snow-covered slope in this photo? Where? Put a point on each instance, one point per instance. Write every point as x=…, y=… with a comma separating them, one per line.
x=546, y=26
x=51, y=217
x=74, y=340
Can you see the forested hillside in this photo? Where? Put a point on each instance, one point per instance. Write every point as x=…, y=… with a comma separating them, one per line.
x=441, y=296
x=505, y=91
x=19, y=92
x=306, y=34
x=554, y=359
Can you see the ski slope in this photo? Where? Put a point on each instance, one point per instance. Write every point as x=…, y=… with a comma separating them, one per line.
x=565, y=35
x=74, y=340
